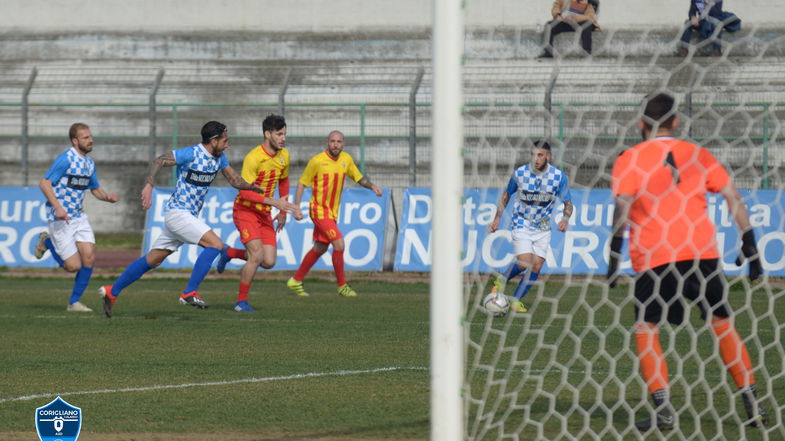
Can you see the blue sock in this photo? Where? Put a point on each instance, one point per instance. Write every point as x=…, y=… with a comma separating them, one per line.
x=512, y=271
x=50, y=246
x=80, y=283
x=131, y=274
x=525, y=285
x=202, y=266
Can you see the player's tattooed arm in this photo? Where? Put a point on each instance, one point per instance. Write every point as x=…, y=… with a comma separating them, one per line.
x=565, y=217
x=494, y=225
x=238, y=182
x=165, y=160
x=365, y=182
x=568, y=209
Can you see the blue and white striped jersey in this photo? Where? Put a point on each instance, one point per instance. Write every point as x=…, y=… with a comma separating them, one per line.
x=196, y=169
x=535, y=196
x=71, y=174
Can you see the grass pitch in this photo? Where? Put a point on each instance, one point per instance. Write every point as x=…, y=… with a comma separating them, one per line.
x=318, y=366
x=334, y=368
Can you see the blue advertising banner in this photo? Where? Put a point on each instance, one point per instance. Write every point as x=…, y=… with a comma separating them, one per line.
x=22, y=219
x=362, y=222
x=583, y=248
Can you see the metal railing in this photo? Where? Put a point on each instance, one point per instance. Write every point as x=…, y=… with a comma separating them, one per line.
x=401, y=123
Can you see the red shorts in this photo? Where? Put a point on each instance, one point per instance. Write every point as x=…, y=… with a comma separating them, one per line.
x=325, y=230
x=253, y=224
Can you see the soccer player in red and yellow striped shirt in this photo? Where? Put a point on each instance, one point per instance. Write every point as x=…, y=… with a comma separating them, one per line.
x=267, y=166
x=325, y=175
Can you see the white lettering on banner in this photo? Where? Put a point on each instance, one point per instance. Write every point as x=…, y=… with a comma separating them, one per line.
x=469, y=253
x=22, y=211
x=415, y=199
x=468, y=208
x=595, y=210
x=347, y=209
x=488, y=246
x=370, y=213
x=373, y=246
x=764, y=242
x=760, y=215
x=213, y=211
x=584, y=252
x=411, y=241
x=482, y=214
x=5, y=245
x=486, y=214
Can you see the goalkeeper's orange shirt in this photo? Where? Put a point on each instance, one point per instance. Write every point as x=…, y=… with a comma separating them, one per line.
x=325, y=176
x=265, y=171
x=669, y=179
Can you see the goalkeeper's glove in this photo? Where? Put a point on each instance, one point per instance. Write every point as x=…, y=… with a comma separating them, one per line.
x=613, y=260
x=749, y=250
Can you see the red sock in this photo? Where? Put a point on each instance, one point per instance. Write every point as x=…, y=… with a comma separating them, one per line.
x=734, y=352
x=654, y=368
x=308, y=261
x=236, y=253
x=242, y=295
x=338, y=266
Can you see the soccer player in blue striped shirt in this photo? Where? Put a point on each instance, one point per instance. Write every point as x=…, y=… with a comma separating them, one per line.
x=535, y=188
x=70, y=238
x=197, y=166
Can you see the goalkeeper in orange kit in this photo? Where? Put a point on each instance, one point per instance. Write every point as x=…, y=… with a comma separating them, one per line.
x=660, y=187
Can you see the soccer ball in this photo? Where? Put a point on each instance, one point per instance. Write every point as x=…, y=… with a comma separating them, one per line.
x=496, y=304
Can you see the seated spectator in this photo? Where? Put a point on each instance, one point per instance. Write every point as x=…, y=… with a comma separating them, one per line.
x=704, y=17
x=570, y=16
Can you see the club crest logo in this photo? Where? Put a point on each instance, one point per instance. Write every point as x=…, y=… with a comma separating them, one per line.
x=58, y=421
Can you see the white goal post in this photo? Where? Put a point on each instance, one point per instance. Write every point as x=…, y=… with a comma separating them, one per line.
x=447, y=343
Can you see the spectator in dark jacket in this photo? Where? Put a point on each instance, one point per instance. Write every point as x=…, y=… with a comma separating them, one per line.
x=705, y=16
x=570, y=16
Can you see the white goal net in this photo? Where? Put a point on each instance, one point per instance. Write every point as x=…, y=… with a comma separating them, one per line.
x=568, y=369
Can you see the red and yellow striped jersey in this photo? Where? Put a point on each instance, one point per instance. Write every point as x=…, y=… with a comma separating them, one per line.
x=325, y=176
x=265, y=171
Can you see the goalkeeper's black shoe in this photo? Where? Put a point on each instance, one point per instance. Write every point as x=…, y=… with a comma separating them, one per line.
x=757, y=416
x=664, y=422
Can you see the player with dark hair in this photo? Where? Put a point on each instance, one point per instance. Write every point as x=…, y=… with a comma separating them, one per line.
x=197, y=166
x=659, y=188
x=70, y=238
x=325, y=174
x=266, y=165
x=535, y=187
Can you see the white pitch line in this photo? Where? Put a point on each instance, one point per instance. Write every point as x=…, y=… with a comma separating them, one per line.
x=215, y=383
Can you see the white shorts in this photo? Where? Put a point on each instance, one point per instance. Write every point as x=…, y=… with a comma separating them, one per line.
x=180, y=226
x=65, y=235
x=525, y=242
